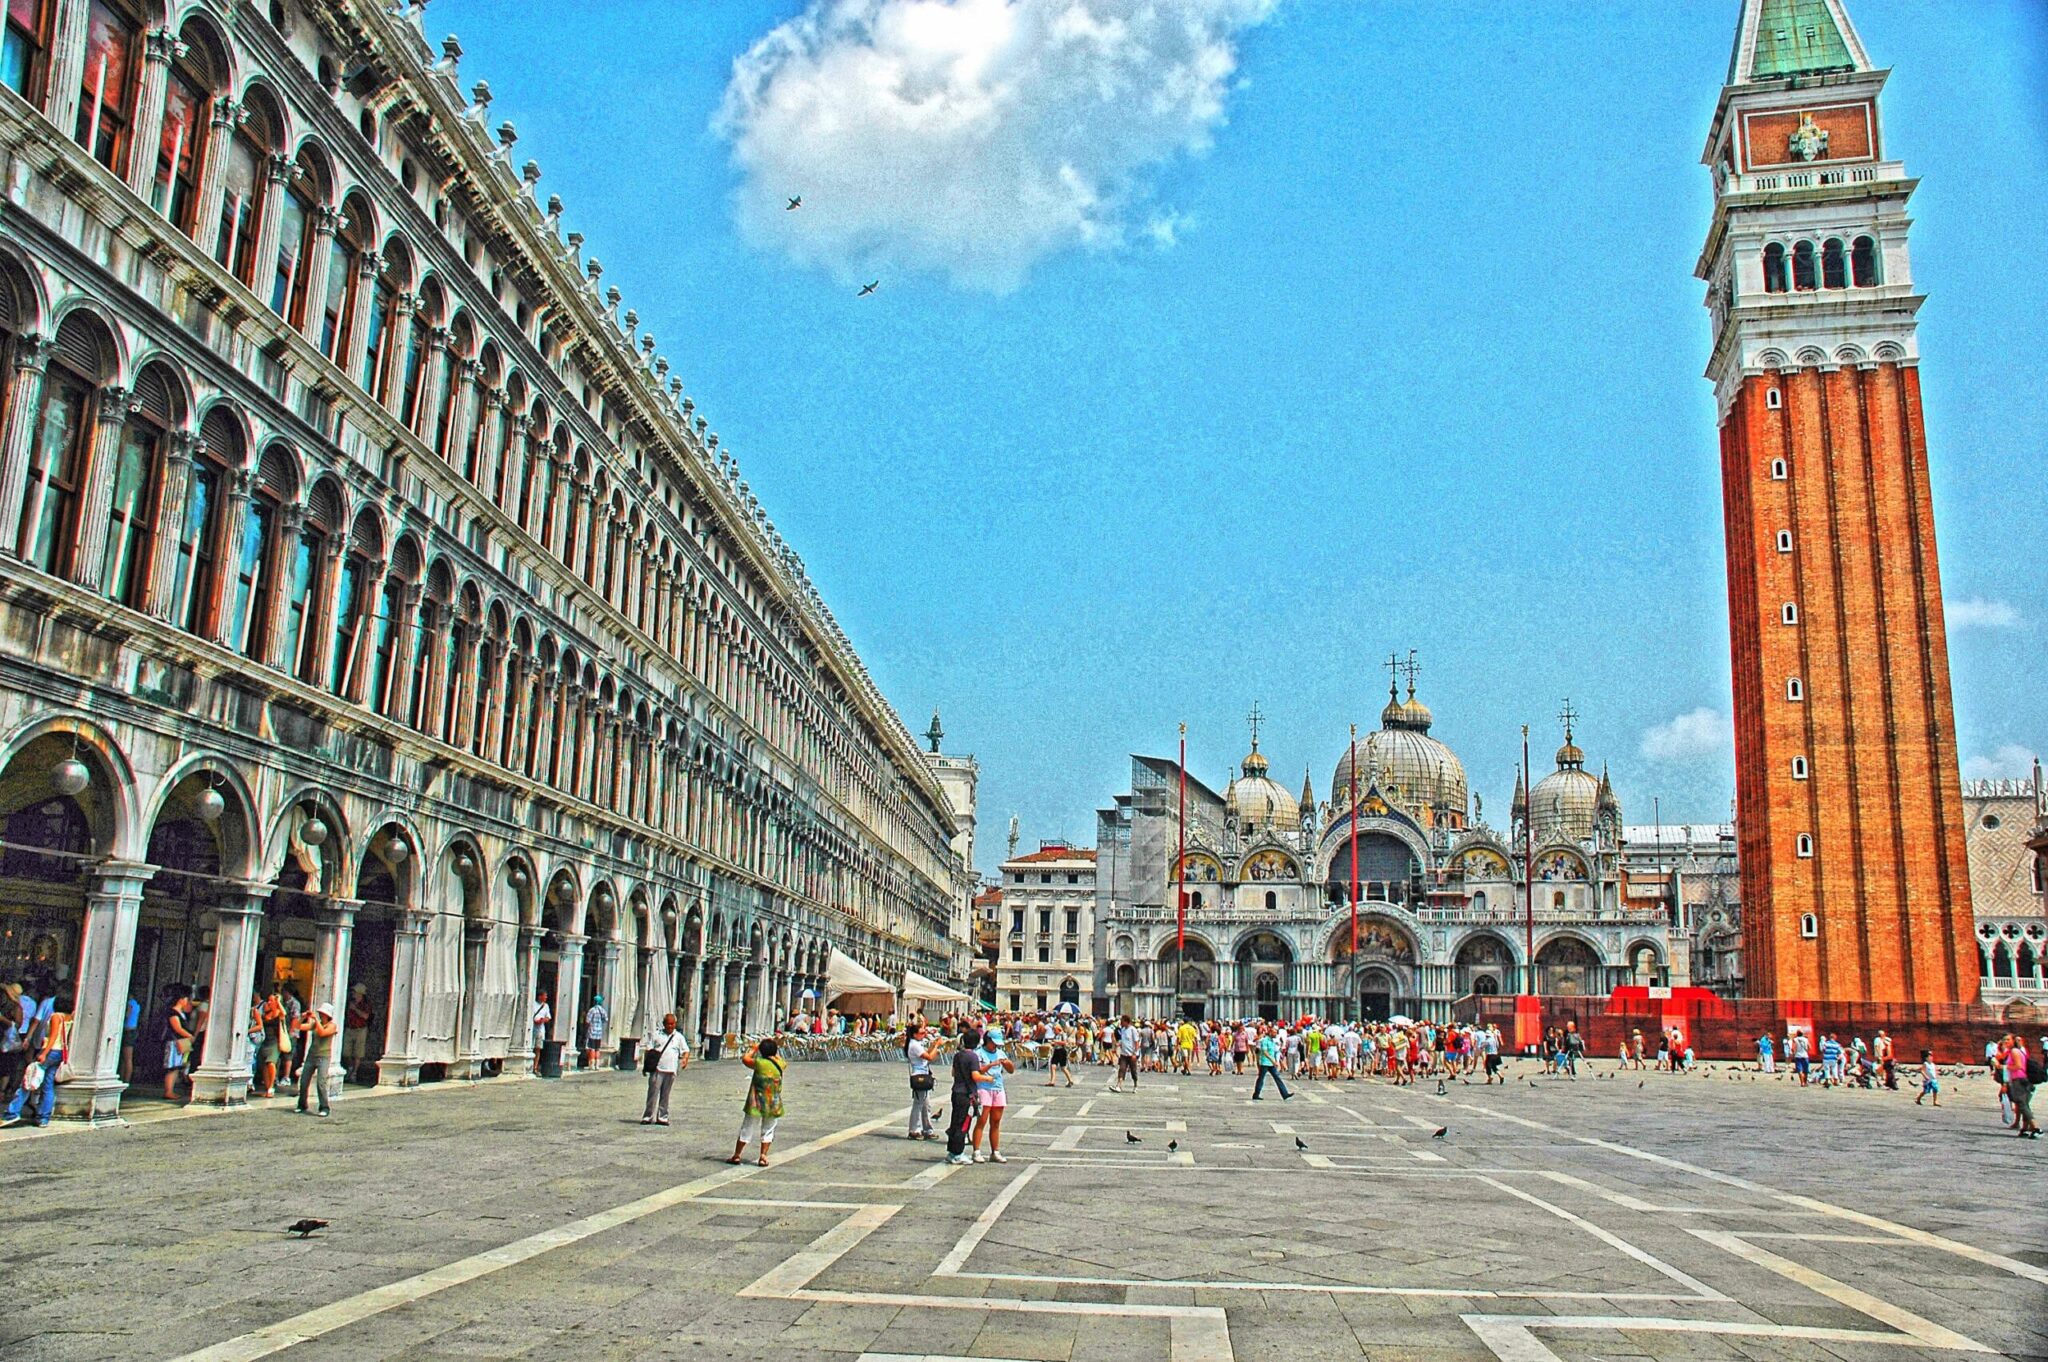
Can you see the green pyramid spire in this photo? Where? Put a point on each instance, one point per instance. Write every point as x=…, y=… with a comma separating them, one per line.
x=1798, y=38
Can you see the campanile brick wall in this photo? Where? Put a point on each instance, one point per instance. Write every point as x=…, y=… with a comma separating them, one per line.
x=1887, y=884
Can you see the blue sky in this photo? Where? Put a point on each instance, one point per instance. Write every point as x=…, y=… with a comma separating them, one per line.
x=1407, y=356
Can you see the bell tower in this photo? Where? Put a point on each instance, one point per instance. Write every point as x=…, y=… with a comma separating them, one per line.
x=1855, y=882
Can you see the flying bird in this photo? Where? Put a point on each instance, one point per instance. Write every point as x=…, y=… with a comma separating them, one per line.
x=866, y=289
x=1131, y=1139
x=1441, y=1131
x=302, y=1228
x=1298, y=1143
x=795, y=204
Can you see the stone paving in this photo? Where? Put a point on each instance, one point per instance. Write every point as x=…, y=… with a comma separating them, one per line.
x=1666, y=1217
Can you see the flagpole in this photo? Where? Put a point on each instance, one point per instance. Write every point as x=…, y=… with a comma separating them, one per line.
x=1354, y=846
x=1528, y=873
x=1180, y=860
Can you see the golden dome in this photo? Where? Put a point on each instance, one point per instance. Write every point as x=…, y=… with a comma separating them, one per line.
x=1565, y=803
x=1256, y=800
x=1417, y=772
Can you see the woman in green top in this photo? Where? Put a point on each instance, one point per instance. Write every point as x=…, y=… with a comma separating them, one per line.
x=764, y=1100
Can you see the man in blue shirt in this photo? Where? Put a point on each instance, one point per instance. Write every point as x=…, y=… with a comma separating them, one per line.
x=1269, y=1064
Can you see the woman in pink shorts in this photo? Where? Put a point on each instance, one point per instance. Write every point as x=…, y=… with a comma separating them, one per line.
x=988, y=1089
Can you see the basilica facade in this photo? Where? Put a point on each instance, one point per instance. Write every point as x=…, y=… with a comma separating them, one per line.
x=1444, y=900
x=377, y=616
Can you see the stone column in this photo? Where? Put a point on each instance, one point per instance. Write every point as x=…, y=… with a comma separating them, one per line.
x=455, y=449
x=315, y=267
x=355, y=340
x=31, y=358
x=113, y=902
x=222, y=1075
x=712, y=1021
x=96, y=498
x=355, y=677
x=400, y=1066
x=279, y=172
x=733, y=1020
x=568, y=990
x=689, y=995
x=398, y=696
x=431, y=380
x=66, y=69
x=333, y=940
x=469, y=1043
x=520, y=1061
x=487, y=435
x=213, y=169
x=159, y=46
x=608, y=982
x=176, y=478
x=320, y=617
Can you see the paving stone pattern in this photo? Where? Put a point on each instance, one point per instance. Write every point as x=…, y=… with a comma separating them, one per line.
x=1690, y=1217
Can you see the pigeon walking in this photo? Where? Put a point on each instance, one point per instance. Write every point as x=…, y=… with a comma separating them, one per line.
x=1441, y=1131
x=1172, y=1146
x=303, y=1228
x=1298, y=1144
x=1131, y=1139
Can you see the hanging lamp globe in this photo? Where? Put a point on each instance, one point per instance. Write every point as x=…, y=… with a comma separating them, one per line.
x=70, y=776
x=211, y=805
x=313, y=831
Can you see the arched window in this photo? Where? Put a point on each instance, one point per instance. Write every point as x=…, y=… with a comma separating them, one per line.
x=1272, y=901
x=385, y=627
x=196, y=74
x=246, y=181
x=1775, y=279
x=1805, y=844
x=1863, y=262
x=1834, y=267
x=377, y=365
x=299, y=648
x=1799, y=768
x=344, y=277
x=25, y=48
x=352, y=603
x=304, y=194
x=61, y=442
x=1793, y=690
x=1779, y=470
x=1784, y=541
x=459, y=637
x=1788, y=613
x=195, y=571
x=261, y=556
x=106, y=102
x=132, y=512
x=426, y=647
x=1803, y=271
x=1809, y=926
x=425, y=316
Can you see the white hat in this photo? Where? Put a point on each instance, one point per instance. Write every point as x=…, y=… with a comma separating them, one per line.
x=326, y=1010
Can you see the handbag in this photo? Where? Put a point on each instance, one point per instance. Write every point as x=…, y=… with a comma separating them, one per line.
x=32, y=1076
x=650, y=1062
x=64, y=1072
x=921, y=1082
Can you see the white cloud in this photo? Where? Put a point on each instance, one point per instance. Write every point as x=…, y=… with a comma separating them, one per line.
x=2009, y=762
x=973, y=138
x=1697, y=733
x=1978, y=613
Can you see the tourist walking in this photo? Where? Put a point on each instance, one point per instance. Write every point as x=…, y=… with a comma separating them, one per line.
x=1930, y=1079
x=177, y=1039
x=543, y=1018
x=2022, y=1071
x=1057, y=1068
x=919, y=1052
x=1126, y=1056
x=763, y=1108
x=1269, y=1066
x=666, y=1053
x=960, y=1100
x=316, y=1053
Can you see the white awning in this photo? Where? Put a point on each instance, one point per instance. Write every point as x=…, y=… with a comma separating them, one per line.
x=917, y=988
x=852, y=986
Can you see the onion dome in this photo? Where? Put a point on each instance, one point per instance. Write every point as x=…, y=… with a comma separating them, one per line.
x=1564, y=803
x=1417, y=773
x=1256, y=800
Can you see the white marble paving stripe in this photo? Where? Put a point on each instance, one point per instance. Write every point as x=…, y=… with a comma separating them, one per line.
x=326, y=1319
x=1333, y=1288
x=962, y=1251
x=1612, y=1240
x=1915, y=1327
x=1511, y=1337
x=1924, y=1238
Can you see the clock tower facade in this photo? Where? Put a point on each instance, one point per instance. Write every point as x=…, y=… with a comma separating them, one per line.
x=1855, y=882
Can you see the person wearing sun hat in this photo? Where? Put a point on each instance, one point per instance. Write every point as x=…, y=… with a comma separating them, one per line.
x=992, y=1064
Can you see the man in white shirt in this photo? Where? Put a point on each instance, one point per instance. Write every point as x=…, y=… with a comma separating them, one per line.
x=1126, y=1056
x=543, y=1018
x=667, y=1053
